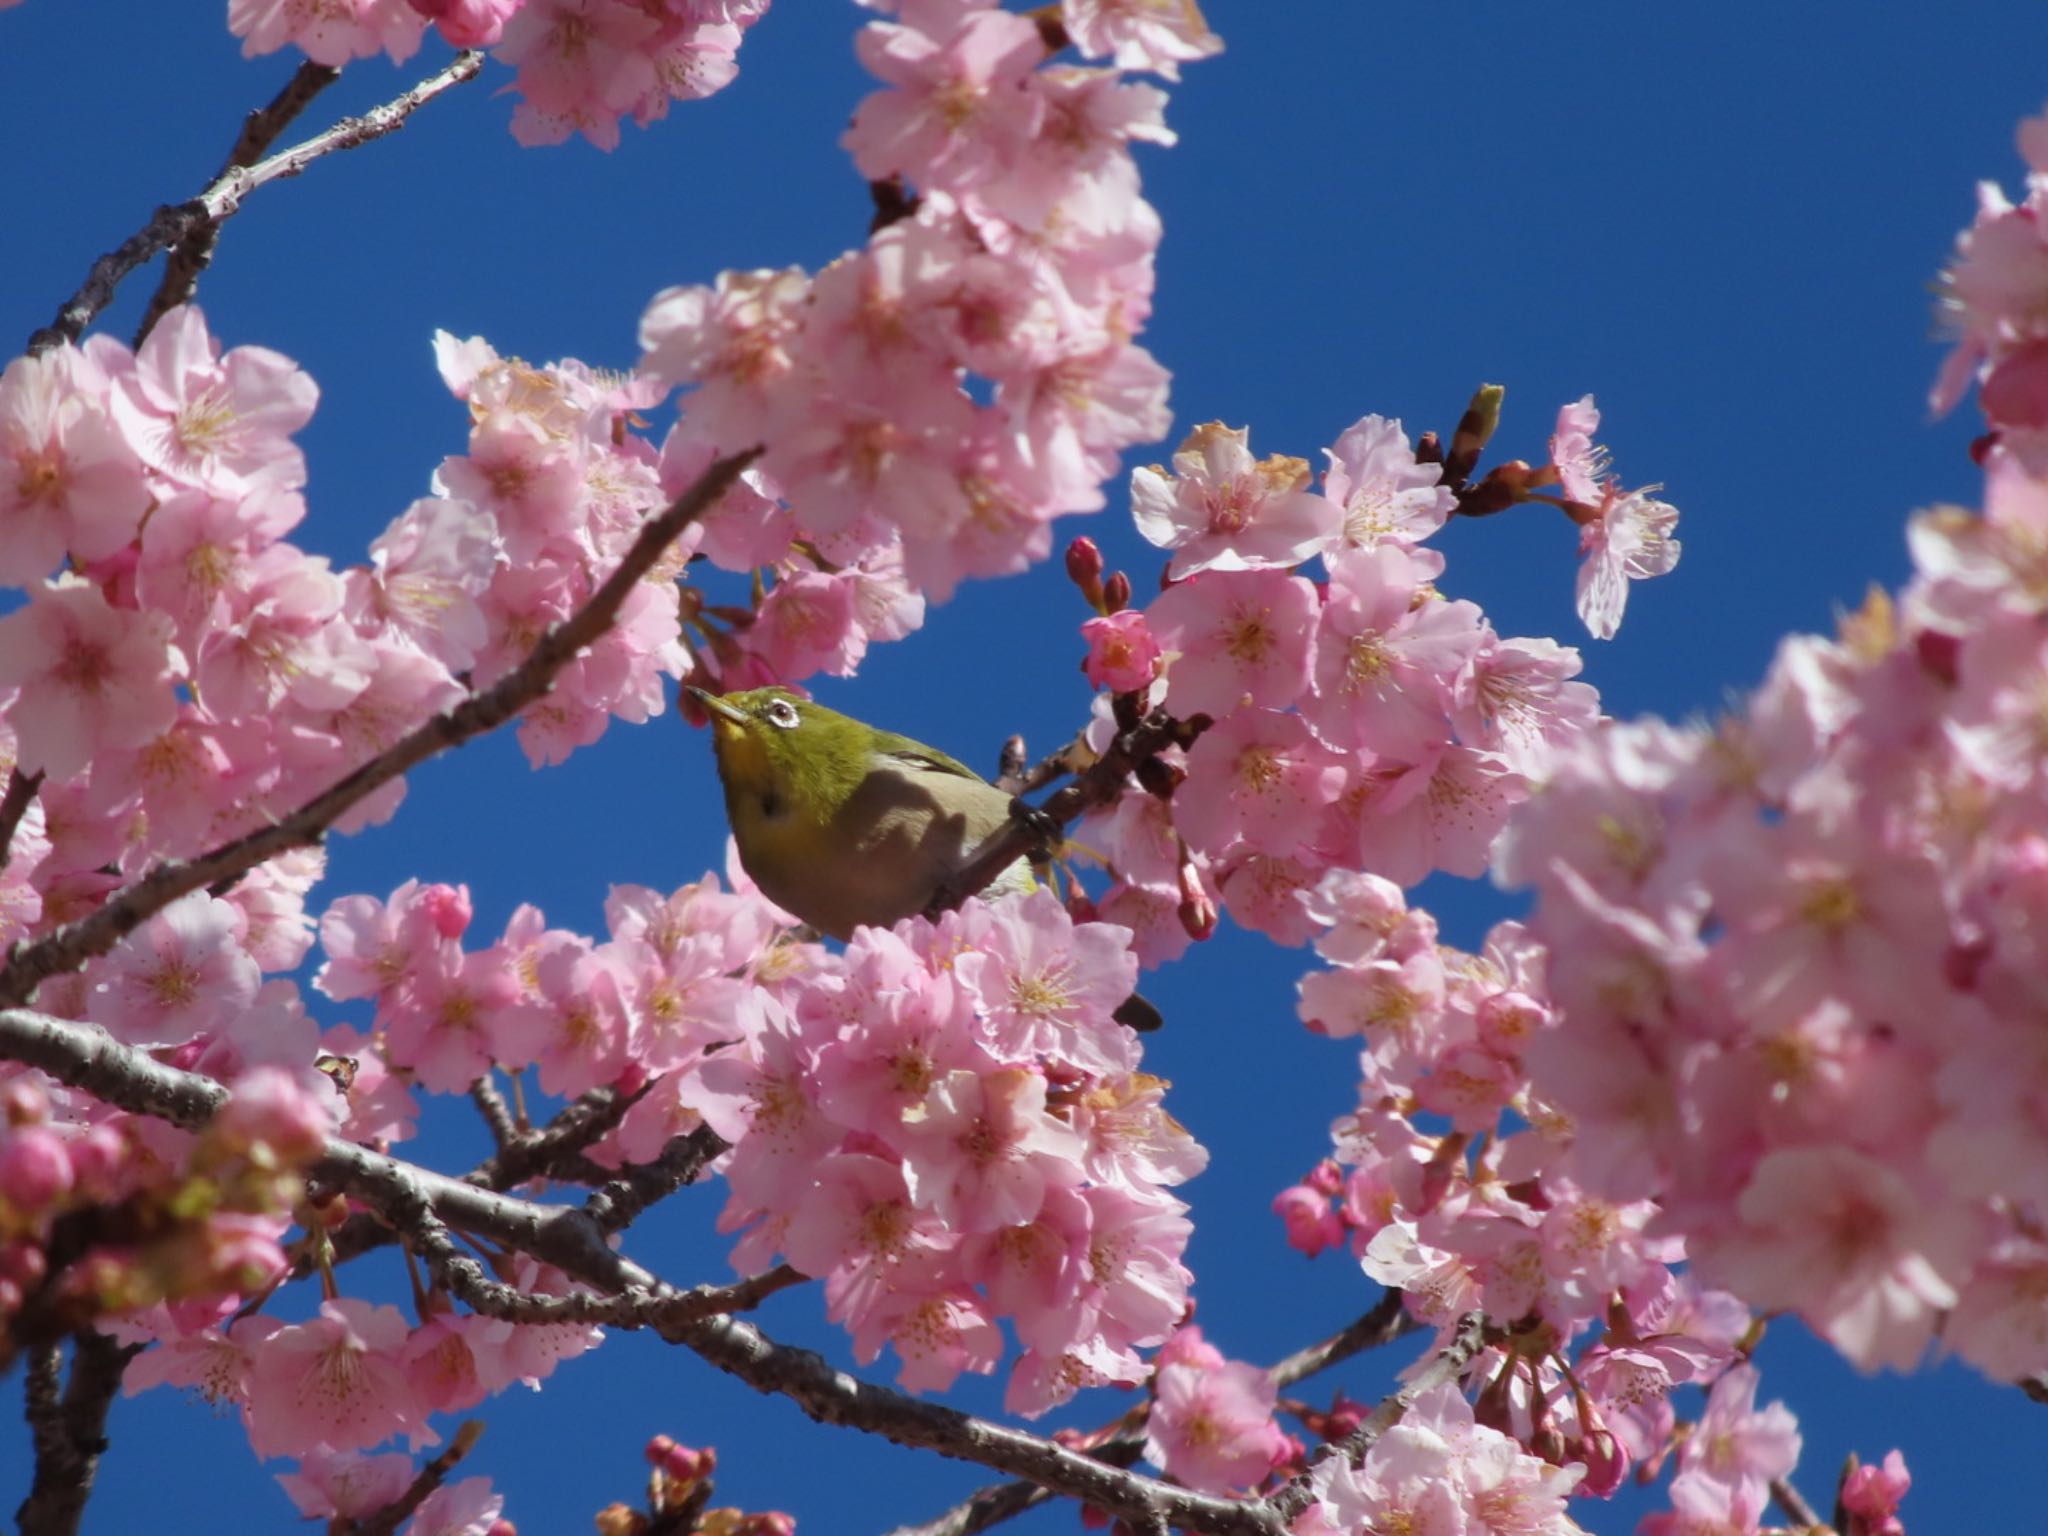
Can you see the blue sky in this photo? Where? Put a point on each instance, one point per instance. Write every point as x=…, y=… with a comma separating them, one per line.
x=1722, y=221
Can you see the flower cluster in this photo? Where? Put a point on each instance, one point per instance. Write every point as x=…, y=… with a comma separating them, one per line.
x=153, y=1215
x=583, y=65
x=1359, y=722
x=931, y=402
x=947, y=1126
x=1798, y=960
x=1440, y=1470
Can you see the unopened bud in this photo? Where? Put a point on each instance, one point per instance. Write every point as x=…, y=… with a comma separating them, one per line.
x=1116, y=593
x=658, y=1450
x=1197, y=907
x=620, y=1520
x=1475, y=430
x=1084, y=569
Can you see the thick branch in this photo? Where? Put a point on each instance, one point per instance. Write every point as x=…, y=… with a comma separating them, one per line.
x=170, y=226
x=76, y=942
x=189, y=257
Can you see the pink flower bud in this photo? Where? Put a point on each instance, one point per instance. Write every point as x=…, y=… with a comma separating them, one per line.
x=23, y=1102
x=271, y=1109
x=1085, y=565
x=97, y=1160
x=35, y=1170
x=1310, y=1225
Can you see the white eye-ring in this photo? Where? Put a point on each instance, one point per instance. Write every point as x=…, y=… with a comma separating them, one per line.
x=782, y=713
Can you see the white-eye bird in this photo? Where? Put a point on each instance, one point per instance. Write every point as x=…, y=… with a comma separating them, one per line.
x=843, y=825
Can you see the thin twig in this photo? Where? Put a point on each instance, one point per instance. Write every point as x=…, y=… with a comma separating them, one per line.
x=1389, y=1320
x=21, y=794
x=988, y=1507
x=497, y=1116
x=1789, y=1499
x=1448, y=1364
x=190, y=256
x=683, y=1161
x=425, y=1481
x=1099, y=785
x=76, y=942
x=172, y=226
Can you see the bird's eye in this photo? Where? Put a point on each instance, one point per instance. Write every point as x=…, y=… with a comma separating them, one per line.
x=780, y=712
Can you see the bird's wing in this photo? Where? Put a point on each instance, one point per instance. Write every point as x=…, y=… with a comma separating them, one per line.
x=919, y=758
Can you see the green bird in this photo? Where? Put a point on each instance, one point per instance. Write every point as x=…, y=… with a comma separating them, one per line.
x=845, y=825
x=840, y=823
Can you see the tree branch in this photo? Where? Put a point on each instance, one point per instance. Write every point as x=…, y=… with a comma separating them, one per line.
x=69, y=1435
x=1448, y=1365
x=21, y=794
x=1101, y=783
x=988, y=1507
x=79, y=941
x=84, y=1057
x=190, y=256
x=429, y=1477
x=174, y=226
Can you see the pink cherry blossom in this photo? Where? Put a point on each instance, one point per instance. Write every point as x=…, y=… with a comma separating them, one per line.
x=69, y=484
x=962, y=106
x=93, y=679
x=1627, y=539
x=1122, y=655
x=1236, y=636
x=1047, y=985
x=1211, y=1425
x=1159, y=35
x=981, y=1150
x=1221, y=509
x=1258, y=776
x=329, y=34
x=183, y=973
x=346, y=1483
x=1388, y=654
x=1384, y=492
x=210, y=421
x=334, y=1381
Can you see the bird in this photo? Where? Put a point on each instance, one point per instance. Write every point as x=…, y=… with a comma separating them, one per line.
x=845, y=825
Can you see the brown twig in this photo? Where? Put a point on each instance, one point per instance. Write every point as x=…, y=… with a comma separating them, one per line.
x=428, y=1478
x=1389, y=1320
x=1789, y=1499
x=173, y=226
x=79, y=941
x=490, y=1103
x=69, y=1434
x=189, y=257
x=1101, y=783
x=21, y=794
x=683, y=1161
x=1448, y=1364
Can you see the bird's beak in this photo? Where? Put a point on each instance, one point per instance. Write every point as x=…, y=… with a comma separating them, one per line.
x=721, y=712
